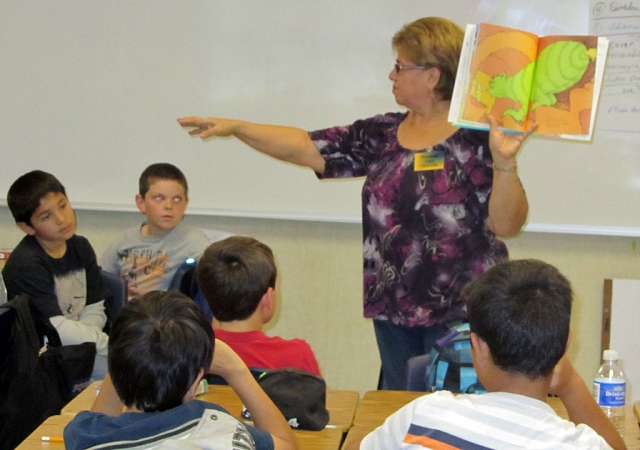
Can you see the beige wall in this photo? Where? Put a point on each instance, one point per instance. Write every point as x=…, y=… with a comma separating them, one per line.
x=320, y=283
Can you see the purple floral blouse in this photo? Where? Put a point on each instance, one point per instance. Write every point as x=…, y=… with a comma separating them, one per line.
x=425, y=233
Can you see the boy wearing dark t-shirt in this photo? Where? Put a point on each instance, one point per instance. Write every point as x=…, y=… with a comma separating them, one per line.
x=53, y=266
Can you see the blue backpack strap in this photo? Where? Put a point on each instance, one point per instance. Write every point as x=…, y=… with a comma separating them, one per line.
x=437, y=368
x=451, y=365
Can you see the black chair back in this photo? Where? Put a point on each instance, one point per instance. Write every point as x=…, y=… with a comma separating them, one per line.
x=185, y=279
x=116, y=296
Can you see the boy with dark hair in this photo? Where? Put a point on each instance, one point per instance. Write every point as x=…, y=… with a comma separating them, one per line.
x=160, y=348
x=148, y=256
x=519, y=313
x=52, y=265
x=237, y=277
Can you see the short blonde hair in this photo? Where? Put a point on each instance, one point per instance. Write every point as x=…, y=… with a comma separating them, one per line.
x=433, y=42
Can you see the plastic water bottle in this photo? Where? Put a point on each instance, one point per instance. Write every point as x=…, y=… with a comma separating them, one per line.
x=609, y=389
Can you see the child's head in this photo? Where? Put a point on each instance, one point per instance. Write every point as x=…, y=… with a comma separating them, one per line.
x=40, y=207
x=234, y=274
x=161, y=171
x=26, y=192
x=162, y=197
x=521, y=309
x=159, y=346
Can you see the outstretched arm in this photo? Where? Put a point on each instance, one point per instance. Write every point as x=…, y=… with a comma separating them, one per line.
x=508, y=206
x=581, y=407
x=265, y=415
x=285, y=143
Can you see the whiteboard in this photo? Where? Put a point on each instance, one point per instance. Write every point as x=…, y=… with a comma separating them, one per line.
x=91, y=92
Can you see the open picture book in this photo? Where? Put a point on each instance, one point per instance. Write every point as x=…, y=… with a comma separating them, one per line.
x=520, y=78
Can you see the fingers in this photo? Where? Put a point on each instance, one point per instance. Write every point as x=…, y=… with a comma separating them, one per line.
x=493, y=122
x=200, y=123
x=206, y=131
x=207, y=127
x=201, y=126
x=191, y=121
x=532, y=128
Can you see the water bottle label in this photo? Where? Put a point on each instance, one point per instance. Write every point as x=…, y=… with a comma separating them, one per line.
x=609, y=394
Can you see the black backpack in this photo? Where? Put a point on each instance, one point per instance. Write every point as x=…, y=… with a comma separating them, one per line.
x=36, y=381
x=450, y=366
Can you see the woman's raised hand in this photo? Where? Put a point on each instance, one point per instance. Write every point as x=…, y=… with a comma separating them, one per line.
x=504, y=146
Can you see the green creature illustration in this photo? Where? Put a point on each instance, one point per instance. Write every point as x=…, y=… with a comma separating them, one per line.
x=559, y=66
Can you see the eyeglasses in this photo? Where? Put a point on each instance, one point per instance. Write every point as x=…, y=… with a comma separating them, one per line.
x=400, y=67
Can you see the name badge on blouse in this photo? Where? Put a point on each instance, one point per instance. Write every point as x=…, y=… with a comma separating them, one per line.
x=433, y=160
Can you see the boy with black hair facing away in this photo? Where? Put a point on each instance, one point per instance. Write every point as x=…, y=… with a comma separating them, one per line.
x=237, y=277
x=56, y=268
x=149, y=255
x=519, y=313
x=160, y=348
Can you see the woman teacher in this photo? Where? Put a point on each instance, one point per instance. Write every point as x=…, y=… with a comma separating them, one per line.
x=434, y=200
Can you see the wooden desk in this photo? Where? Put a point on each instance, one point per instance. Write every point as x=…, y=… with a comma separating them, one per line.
x=53, y=426
x=376, y=406
x=82, y=401
x=327, y=439
x=631, y=430
x=341, y=404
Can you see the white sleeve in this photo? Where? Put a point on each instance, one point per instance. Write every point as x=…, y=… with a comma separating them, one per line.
x=392, y=432
x=93, y=315
x=73, y=332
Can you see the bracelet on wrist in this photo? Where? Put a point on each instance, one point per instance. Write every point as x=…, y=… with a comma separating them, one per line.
x=511, y=169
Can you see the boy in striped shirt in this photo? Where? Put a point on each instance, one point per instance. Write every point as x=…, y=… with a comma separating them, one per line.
x=519, y=314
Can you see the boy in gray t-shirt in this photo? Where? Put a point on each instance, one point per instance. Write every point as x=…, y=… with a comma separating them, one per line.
x=148, y=256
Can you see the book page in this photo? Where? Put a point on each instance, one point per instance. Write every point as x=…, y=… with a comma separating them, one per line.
x=463, y=75
x=502, y=69
x=563, y=89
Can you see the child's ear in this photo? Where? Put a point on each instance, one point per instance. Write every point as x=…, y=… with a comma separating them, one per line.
x=140, y=204
x=566, y=349
x=480, y=349
x=268, y=304
x=191, y=393
x=26, y=228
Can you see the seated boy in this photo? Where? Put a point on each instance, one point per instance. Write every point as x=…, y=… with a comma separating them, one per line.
x=56, y=268
x=160, y=348
x=148, y=256
x=519, y=314
x=237, y=277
